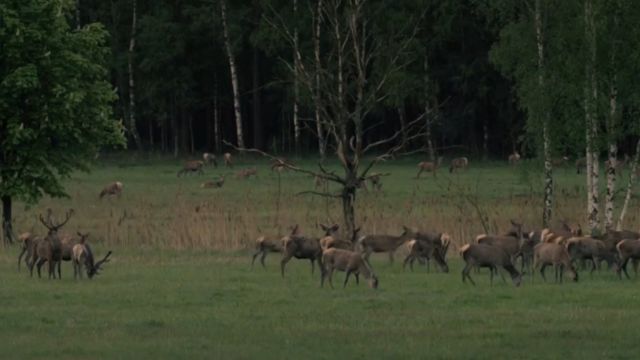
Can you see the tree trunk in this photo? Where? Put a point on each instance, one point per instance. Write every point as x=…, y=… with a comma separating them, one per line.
x=258, y=138
x=429, y=113
x=591, y=97
x=485, y=139
x=316, y=50
x=296, y=90
x=7, y=227
x=234, y=76
x=132, y=98
x=630, y=184
x=216, y=118
x=544, y=114
x=612, y=128
x=78, y=24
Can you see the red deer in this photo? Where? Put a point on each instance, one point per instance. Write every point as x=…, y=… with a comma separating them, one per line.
x=213, y=184
x=228, y=162
x=514, y=158
x=333, y=240
x=29, y=242
x=428, y=245
x=581, y=163
x=83, y=256
x=301, y=247
x=268, y=243
x=246, y=173
x=545, y=254
x=482, y=255
x=586, y=248
x=348, y=261
x=563, y=161
x=384, y=243
x=50, y=248
x=113, y=189
x=192, y=166
x=428, y=166
x=209, y=159
x=459, y=163
x=628, y=249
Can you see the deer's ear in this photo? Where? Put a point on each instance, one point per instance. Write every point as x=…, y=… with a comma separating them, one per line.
x=335, y=227
x=323, y=227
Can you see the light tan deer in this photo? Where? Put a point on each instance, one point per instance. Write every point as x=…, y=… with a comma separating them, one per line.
x=266, y=244
x=483, y=255
x=192, y=167
x=384, y=243
x=459, y=163
x=301, y=247
x=429, y=166
x=246, y=173
x=563, y=161
x=348, y=261
x=545, y=254
x=213, y=184
x=228, y=161
x=112, y=189
x=514, y=158
x=210, y=159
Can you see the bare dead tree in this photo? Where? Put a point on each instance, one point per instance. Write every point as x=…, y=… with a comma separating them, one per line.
x=352, y=81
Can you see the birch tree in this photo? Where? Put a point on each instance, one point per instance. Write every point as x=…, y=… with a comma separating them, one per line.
x=317, y=26
x=234, y=75
x=591, y=117
x=133, y=130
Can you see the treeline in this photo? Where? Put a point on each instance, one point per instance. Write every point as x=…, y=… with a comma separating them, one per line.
x=183, y=100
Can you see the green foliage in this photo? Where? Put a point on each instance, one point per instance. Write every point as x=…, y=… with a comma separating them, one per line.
x=55, y=101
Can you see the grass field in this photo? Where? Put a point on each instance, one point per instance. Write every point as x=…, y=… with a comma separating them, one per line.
x=180, y=284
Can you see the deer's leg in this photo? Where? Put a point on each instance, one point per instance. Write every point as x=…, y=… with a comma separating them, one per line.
x=59, y=263
x=75, y=269
x=391, y=256
x=313, y=266
x=346, y=279
x=330, y=277
x=635, y=264
x=283, y=263
x=491, y=270
x=31, y=265
x=466, y=275
x=406, y=260
x=39, y=265
x=624, y=268
x=24, y=250
x=255, y=255
x=544, y=278
x=264, y=255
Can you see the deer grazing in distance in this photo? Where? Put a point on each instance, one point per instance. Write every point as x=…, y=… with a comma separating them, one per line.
x=348, y=261
x=459, y=163
x=545, y=254
x=514, y=158
x=192, y=167
x=213, y=184
x=319, y=181
x=429, y=166
x=384, y=243
x=563, y=161
x=246, y=173
x=270, y=244
x=483, y=255
x=228, y=161
x=209, y=159
x=112, y=189
x=49, y=249
x=581, y=163
x=83, y=256
x=618, y=164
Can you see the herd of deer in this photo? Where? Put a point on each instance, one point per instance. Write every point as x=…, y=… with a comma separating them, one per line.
x=55, y=248
x=562, y=248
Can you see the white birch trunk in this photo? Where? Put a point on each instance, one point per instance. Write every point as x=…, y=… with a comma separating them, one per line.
x=132, y=93
x=613, y=163
x=630, y=184
x=316, y=50
x=591, y=96
x=234, y=75
x=548, y=168
x=296, y=90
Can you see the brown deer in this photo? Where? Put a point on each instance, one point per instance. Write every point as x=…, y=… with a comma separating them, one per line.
x=209, y=159
x=545, y=254
x=384, y=243
x=50, y=248
x=246, y=173
x=112, y=189
x=28, y=243
x=459, y=163
x=426, y=246
x=563, y=161
x=619, y=164
x=428, y=166
x=628, y=249
x=280, y=165
x=192, y=167
x=319, y=181
x=376, y=181
x=301, y=247
x=581, y=163
x=333, y=240
x=228, y=161
x=268, y=243
x=213, y=184
x=348, y=261
x=514, y=158
x=483, y=255
x=586, y=248
x=83, y=256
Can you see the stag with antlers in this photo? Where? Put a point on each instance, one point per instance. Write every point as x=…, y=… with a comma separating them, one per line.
x=50, y=248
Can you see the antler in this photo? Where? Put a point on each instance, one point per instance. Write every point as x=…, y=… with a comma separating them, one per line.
x=46, y=224
x=97, y=265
